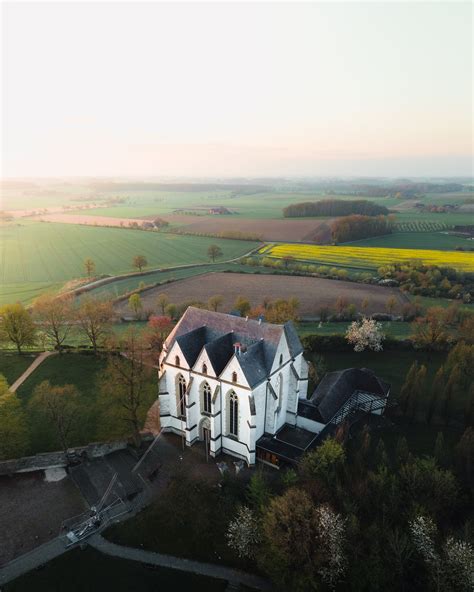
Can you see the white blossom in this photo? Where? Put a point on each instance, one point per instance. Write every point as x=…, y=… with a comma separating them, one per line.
x=243, y=532
x=332, y=538
x=460, y=563
x=423, y=531
x=366, y=333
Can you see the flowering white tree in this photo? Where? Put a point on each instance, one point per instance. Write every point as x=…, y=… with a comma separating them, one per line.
x=366, y=333
x=331, y=528
x=243, y=533
x=460, y=563
x=452, y=568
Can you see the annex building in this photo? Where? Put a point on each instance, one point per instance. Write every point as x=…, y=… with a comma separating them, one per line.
x=241, y=386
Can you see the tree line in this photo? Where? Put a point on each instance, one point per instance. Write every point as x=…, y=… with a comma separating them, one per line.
x=356, y=227
x=334, y=207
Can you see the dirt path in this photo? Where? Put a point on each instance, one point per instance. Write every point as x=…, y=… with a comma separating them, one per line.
x=36, y=362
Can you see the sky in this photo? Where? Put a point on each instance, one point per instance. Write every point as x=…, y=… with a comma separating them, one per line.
x=236, y=89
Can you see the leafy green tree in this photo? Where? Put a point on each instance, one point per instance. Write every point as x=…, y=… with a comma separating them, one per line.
x=465, y=456
x=135, y=304
x=407, y=390
x=258, y=492
x=215, y=302
x=171, y=311
x=17, y=325
x=13, y=424
x=139, y=262
x=324, y=462
x=162, y=302
x=242, y=305
x=214, y=252
x=436, y=394
x=402, y=451
x=440, y=452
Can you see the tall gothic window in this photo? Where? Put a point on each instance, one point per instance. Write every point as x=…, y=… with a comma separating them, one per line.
x=177, y=361
x=233, y=414
x=204, y=369
x=234, y=376
x=206, y=398
x=181, y=394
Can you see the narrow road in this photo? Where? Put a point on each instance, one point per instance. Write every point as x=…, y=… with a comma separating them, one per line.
x=235, y=576
x=36, y=362
x=32, y=560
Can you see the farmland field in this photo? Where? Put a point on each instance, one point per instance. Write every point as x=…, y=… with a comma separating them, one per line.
x=312, y=293
x=39, y=256
x=357, y=257
x=296, y=230
x=416, y=240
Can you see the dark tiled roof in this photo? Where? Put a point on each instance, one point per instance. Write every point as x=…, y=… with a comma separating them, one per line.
x=218, y=333
x=336, y=388
x=293, y=340
x=220, y=351
x=310, y=411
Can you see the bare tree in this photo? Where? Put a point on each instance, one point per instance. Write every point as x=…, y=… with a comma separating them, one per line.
x=55, y=316
x=89, y=266
x=127, y=387
x=139, y=261
x=60, y=406
x=94, y=318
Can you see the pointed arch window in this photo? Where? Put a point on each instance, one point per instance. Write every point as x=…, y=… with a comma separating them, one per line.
x=206, y=398
x=234, y=376
x=233, y=414
x=177, y=361
x=181, y=394
x=204, y=368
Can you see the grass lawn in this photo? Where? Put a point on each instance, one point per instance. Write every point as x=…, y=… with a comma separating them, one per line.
x=40, y=256
x=91, y=571
x=122, y=286
x=395, y=329
x=12, y=365
x=80, y=370
x=416, y=240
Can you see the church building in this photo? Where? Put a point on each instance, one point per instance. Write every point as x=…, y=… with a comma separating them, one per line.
x=240, y=385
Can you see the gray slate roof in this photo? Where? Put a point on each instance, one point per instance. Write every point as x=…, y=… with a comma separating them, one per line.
x=218, y=332
x=336, y=388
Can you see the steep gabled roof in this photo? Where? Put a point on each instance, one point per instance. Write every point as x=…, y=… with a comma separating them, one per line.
x=336, y=388
x=218, y=332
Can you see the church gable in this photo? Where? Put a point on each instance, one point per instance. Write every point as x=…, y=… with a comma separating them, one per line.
x=282, y=354
x=203, y=365
x=234, y=373
x=176, y=357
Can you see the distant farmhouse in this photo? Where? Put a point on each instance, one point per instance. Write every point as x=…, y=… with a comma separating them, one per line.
x=241, y=386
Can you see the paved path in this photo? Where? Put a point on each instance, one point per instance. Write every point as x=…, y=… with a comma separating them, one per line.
x=229, y=574
x=31, y=560
x=36, y=362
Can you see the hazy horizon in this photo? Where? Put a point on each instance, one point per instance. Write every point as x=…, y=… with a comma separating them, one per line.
x=207, y=90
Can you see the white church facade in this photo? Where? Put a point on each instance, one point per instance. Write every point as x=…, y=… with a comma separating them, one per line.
x=238, y=385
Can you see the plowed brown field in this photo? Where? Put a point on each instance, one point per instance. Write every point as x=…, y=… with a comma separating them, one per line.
x=312, y=293
x=285, y=229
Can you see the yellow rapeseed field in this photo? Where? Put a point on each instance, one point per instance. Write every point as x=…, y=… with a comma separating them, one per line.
x=368, y=257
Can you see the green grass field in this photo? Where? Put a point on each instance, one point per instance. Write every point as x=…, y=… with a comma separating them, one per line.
x=416, y=240
x=81, y=370
x=12, y=365
x=39, y=256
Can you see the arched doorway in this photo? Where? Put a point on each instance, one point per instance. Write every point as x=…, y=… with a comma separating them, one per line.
x=205, y=434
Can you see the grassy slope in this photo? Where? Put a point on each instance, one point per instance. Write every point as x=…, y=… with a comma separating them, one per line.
x=39, y=256
x=12, y=365
x=80, y=370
